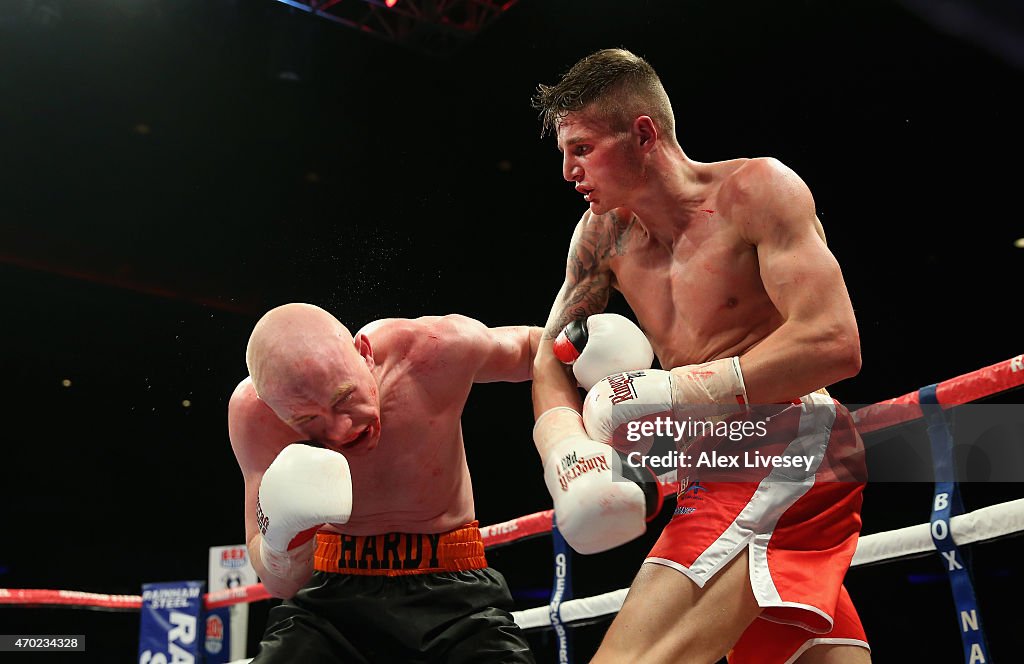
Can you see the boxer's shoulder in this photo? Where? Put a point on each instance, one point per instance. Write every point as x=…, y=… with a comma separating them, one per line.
x=245, y=408
x=442, y=328
x=395, y=333
x=254, y=430
x=244, y=398
x=379, y=327
x=600, y=237
x=755, y=181
x=426, y=339
x=613, y=222
x=390, y=336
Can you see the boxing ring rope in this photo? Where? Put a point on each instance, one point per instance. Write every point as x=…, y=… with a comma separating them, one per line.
x=981, y=525
x=984, y=524
x=974, y=386
x=98, y=601
x=987, y=523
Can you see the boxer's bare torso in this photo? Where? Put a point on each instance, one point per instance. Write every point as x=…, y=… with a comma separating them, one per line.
x=702, y=294
x=415, y=479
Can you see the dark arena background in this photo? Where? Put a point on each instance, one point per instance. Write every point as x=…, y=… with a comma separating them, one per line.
x=171, y=169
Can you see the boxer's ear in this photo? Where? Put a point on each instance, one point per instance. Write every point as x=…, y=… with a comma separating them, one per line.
x=362, y=344
x=645, y=132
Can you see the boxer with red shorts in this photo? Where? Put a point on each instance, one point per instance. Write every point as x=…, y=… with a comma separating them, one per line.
x=799, y=526
x=725, y=267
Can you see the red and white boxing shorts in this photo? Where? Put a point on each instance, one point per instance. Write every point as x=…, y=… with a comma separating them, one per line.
x=790, y=494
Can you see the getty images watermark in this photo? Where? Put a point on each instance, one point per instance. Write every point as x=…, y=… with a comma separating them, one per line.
x=832, y=442
x=734, y=430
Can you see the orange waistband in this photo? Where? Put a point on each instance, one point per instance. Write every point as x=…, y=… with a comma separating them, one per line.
x=396, y=554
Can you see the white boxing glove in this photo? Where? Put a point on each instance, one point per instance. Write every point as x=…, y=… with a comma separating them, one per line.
x=625, y=398
x=594, y=510
x=694, y=391
x=304, y=488
x=601, y=345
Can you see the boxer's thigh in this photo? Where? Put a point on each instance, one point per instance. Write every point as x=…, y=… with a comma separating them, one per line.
x=666, y=617
x=302, y=630
x=473, y=620
x=769, y=642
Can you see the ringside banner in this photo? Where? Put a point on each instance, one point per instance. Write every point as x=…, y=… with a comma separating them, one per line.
x=227, y=627
x=172, y=616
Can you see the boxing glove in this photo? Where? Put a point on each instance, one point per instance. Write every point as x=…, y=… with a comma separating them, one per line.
x=595, y=510
x=304, y=488
x=600, y=345
x=706, y=390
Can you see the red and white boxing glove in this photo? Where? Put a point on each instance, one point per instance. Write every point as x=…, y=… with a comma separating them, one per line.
x=304, y=488
x=594, y=510
x=692, y=391
x=601, y=345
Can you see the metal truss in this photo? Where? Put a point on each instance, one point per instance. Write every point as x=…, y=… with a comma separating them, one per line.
x=430, y=26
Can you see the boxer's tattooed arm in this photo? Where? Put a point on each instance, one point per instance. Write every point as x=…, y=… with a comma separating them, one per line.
x=588, y=278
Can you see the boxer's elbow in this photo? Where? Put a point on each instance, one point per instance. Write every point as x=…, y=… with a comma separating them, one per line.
x=853, y=360
x=280, y=588
x=283, y=587
x=841, y=352
x=277, y=586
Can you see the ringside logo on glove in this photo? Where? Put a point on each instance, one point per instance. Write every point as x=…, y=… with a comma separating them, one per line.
x=570, y=467
x=622, y=386
x=262, y=520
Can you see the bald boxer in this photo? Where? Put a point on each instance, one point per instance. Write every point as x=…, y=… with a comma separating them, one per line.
x=726, y=269
x=358, y=502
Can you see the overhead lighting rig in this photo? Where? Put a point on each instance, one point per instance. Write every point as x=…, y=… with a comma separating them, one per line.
x=430, y=26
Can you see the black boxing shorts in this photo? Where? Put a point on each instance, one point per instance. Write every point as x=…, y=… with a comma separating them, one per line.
x=397, y=597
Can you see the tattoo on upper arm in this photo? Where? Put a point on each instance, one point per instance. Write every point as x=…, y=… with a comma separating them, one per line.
x=588, y=280
x=622, y=229
x=596, y=243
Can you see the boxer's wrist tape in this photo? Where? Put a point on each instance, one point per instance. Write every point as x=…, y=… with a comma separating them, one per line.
x=398, y=554
x=715, y=382
x=284, y=564
x=549, y=411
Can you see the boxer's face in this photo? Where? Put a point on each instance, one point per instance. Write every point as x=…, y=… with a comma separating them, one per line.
x=333, y=400
x=597, y=160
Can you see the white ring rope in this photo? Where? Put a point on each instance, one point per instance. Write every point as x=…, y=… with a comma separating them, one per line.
x=980, y=525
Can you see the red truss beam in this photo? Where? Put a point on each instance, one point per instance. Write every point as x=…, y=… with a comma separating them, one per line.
x=433, y=26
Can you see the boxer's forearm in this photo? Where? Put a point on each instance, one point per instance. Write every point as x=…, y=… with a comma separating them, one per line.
x=553, y=382
x=797, y=359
